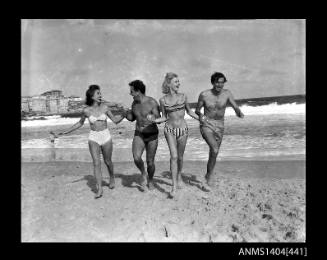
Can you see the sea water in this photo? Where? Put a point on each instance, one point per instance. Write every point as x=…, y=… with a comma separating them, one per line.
x=269, y=132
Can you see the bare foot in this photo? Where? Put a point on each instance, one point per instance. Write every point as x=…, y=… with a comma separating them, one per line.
x=143, y=183
x=205, y=185
x=112, y=183
x=151, y=185
x=181, y=184
x=99, y=194
x=172, y=193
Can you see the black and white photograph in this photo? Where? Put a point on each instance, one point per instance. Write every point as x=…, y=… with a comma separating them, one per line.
x=163, y=130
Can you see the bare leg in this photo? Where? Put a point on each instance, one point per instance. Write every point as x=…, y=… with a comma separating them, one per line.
x=107, y=154
x=172, y=144
x=151, y=149
x=181, y=144
x=95, y=153
x=138, y=149
x=214, y=145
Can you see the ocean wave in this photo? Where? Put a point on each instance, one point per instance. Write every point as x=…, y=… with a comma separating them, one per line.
x=270, y=109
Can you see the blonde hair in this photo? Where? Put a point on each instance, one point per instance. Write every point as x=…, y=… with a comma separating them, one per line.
x=165, y=85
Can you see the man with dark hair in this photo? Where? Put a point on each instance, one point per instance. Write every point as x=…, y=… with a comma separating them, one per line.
x=214, y=102
x=146, y=132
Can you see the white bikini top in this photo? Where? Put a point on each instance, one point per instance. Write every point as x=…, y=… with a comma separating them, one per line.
x=102, y=117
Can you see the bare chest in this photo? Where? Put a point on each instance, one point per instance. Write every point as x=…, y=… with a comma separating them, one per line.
x=141, y=110
x=216, y=102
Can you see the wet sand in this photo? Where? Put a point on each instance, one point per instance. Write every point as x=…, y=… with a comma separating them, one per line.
x=252, y=201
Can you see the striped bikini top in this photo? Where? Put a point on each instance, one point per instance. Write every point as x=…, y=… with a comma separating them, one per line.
x=102, y=117
x=175, y=107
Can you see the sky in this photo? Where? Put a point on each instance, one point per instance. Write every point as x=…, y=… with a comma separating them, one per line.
x=260, y=58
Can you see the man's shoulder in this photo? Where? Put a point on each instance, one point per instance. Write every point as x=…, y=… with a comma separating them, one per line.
x=227, y=91
x=205, y=92
x=152, y=100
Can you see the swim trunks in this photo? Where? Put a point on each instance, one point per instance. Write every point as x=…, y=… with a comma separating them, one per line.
x=147, y=136
x=216, y=126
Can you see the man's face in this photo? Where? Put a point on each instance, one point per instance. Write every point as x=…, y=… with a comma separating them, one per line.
x=134, y=94
x=219, y=84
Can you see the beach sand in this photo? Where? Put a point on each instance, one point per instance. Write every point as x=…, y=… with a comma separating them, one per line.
x=252, y=201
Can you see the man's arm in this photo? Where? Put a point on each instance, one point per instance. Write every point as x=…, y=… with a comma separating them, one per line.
x=155, y=110
x=129, y=115
x=234, y=105
x=159, y=120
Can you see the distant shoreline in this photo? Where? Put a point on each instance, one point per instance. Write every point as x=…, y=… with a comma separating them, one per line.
x=298, y=99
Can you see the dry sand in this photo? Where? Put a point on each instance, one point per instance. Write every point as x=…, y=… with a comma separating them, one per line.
x=251, y=202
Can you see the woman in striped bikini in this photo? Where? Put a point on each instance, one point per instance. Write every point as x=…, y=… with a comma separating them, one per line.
x=173, y=106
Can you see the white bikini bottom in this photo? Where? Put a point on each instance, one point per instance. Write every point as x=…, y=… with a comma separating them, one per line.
x=100, y=137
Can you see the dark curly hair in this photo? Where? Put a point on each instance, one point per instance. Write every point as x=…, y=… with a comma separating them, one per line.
x=138, y=85
x=89, y=94
x=216, y=75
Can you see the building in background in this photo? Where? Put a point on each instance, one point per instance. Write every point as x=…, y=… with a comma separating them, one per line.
x=54, y=102
x=50, y=102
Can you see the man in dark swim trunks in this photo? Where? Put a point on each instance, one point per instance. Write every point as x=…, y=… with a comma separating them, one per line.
x=146, y=132
x=214, y=101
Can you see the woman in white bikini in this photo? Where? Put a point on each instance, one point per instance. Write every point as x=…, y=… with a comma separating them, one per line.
x=99, y=138
x=173, y=106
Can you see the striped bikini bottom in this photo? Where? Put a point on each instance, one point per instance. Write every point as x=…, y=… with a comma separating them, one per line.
x=176, y=131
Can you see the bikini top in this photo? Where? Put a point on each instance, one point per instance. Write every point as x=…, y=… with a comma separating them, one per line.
x=175, y=107
x=102, y=117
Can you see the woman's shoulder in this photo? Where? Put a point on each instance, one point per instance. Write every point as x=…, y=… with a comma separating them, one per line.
x=163, y=98
x=182, y=96
x=104, y=107
x=86, y=110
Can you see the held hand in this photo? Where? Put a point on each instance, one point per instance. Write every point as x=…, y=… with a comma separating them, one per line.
x=151, y=118
x=202, y=118
x=126, y=111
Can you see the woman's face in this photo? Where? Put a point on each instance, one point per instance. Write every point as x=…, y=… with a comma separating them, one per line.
x=174, y=84
x=97, y=96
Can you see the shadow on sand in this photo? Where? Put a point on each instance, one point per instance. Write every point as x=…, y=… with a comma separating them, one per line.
x=189, y=179
x=134, y=181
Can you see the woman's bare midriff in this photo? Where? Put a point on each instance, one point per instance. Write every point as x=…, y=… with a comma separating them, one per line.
x=98, y=126
x=176, y=119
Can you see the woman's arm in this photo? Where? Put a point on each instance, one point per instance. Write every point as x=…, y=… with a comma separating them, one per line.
x=73, y=127
x=199, y=106
x=115, y=119
x=234, y=105
x=189, y=110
